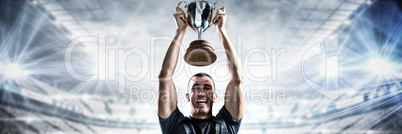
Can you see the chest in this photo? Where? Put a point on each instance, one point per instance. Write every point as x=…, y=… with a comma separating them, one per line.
x=206, y=127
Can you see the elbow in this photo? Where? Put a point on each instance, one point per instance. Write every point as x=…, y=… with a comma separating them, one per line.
x=237, y=83
x=238, y=80
x=165, y=75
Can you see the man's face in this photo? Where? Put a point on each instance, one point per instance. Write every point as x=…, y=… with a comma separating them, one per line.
x=202, y=94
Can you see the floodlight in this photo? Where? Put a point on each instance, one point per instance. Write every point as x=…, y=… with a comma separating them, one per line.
x=13, y=71
x=380, y=66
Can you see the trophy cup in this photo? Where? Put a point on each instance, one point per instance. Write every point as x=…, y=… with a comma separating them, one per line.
x=199, y=17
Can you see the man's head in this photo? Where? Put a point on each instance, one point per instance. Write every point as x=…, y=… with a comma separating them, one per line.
x=201, y=94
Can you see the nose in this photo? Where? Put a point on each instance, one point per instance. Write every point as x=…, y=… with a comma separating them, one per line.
x=201, y=91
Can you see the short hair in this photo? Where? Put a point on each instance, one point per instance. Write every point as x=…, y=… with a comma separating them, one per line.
x=200, y=74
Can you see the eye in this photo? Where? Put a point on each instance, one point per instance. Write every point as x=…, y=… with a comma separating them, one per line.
x=196, y=87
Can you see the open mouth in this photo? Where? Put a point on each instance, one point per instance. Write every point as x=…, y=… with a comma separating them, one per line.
x=201, y=101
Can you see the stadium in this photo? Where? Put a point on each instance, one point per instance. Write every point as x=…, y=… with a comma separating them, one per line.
x=91, y=66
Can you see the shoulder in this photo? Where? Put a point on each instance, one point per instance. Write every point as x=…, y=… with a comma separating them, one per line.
x=172, y=122
x=175, y=114
x=225, y=117
x=225, y=114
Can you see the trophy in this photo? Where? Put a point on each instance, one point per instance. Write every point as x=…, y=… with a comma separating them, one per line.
x=199, y=17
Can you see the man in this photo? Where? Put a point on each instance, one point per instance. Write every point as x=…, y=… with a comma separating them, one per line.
x=202, y=93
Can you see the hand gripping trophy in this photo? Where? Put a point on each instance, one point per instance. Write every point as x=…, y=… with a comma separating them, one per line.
x=199, y=17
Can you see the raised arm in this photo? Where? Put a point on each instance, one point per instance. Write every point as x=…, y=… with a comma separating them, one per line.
x=234, y=101
x=167, y=99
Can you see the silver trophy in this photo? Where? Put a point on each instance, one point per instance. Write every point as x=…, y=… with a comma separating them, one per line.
x=199, y=18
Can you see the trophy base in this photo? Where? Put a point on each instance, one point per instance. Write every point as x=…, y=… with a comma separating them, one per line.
x=200, y=53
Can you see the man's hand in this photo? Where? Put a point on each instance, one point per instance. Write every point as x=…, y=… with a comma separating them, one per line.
x=220, y=19
x=181, y=19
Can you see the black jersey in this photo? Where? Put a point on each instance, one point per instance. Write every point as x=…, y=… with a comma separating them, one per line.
x=222, y=123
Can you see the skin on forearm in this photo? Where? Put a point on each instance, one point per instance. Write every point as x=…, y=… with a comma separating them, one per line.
x=171, y=57
x=167, y=99
x=231, y=55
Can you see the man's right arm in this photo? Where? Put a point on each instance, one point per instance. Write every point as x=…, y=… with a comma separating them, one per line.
x=167, y=100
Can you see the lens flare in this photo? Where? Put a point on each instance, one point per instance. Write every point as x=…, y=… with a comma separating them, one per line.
x=380, y=66
x=13, y=71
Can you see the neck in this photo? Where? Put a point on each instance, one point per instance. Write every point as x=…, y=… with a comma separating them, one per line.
x=201, y=116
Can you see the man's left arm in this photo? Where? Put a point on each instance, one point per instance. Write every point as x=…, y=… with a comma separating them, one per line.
x=234, y=101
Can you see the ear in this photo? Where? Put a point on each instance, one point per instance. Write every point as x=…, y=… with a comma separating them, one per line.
x=215, y=97
x=188, y=97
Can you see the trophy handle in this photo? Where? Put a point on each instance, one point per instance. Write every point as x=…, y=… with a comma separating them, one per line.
x=181, y=2
x=217, y=2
